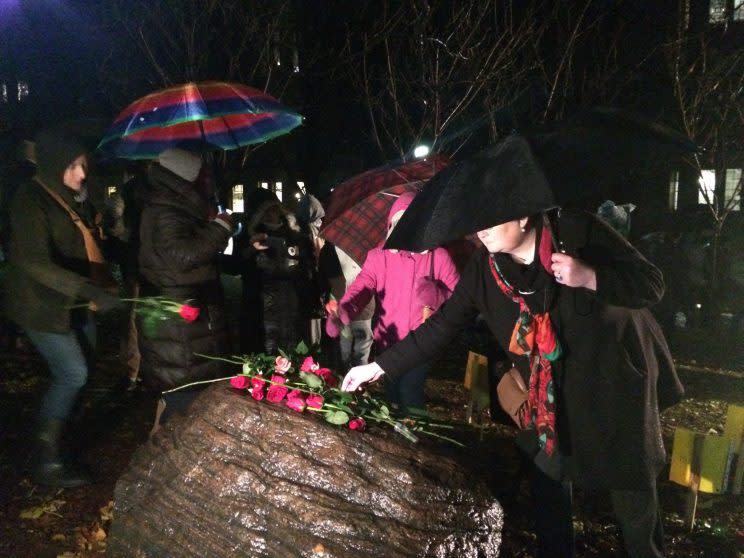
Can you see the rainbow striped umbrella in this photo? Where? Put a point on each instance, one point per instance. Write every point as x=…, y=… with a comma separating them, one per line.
x=201, y=116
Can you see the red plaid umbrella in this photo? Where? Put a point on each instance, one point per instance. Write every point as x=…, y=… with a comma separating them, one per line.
x=358, y=208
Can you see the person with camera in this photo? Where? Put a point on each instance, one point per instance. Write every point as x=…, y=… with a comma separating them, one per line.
x=273, y=259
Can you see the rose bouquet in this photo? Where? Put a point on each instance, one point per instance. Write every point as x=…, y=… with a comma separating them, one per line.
x=298, y=381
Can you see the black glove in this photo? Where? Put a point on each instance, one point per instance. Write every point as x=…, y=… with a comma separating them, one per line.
x=100, y=299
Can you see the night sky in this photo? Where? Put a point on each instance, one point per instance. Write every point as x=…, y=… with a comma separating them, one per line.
x=62, y=47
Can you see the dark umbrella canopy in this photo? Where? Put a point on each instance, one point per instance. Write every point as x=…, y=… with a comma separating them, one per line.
x=571, y=163
x=501, y=183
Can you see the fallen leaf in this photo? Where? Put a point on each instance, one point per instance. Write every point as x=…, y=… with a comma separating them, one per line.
x=59, y=537
x=107, y=511
x=99, y=535
x=36, y=512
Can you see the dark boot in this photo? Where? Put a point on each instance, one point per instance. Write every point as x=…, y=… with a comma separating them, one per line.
x=49, y=467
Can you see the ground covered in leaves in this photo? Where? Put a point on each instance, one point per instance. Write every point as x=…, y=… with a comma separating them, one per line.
x=39, y=522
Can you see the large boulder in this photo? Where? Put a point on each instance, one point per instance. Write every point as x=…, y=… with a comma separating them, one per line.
x=238, y=477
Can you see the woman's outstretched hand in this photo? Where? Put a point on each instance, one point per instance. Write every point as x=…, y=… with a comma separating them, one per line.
x=572, y=272
x=360, y=375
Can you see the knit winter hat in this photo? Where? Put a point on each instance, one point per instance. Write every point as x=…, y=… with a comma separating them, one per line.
x=617, y=216
x=181, y=163
x=309, y=209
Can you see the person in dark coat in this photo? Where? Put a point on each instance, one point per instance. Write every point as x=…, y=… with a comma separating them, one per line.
x=179, y=248
x=54, y=274
x=121, y=221
x=309, y=213
x=578, y=330
x=274, y=260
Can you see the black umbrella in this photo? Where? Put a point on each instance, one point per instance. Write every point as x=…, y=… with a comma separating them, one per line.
x=527, y=174
x=501, y=183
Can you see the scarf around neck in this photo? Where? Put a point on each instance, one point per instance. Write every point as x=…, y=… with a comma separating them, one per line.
x=535, y=337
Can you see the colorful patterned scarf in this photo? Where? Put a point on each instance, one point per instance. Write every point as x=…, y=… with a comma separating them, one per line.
x=535, y=331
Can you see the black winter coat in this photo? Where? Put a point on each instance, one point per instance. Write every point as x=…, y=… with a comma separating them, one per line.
x=616, y=372
x=179, y=248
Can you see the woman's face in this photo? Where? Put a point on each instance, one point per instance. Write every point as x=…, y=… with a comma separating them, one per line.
x=75, y=173
x=506, y=238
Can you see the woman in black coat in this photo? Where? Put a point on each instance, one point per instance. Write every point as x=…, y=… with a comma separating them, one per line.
x=179, y=248
x=598, y=368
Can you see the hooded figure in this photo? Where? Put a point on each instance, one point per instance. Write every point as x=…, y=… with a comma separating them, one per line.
x=568, y=298
x=179, y=249
x=56, y=269
x=275, y=262
x=393, y=278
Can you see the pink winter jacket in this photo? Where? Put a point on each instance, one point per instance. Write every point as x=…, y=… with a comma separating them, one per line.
x=391, y=276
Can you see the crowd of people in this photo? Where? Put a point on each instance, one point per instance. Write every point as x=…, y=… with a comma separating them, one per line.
x=572, y=322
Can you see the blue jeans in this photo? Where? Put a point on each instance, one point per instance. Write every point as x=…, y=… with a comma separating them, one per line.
x=68, y=356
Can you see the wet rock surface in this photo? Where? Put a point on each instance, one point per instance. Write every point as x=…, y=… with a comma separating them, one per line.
x=242, y=478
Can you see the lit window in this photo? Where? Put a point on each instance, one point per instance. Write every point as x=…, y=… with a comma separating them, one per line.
x=264, y=185
x=301, y=187
x=674, y=191
x=706, y=186
x=738, y=10
x=278, y=190
x=237, y=198
x=23, y=90
x=733, y=189
x=110, y=191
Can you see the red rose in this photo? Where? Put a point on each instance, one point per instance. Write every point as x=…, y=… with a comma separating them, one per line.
x=276, y=391
x=309, y=365
x=282, y=365
x=327, y=376
x=240, y=382
x=189, y=313
x=358, y=424
x=257, y=385
x=296, y=401
x=314, y=401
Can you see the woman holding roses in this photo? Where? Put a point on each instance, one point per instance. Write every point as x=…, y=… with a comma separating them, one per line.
x=56, y=270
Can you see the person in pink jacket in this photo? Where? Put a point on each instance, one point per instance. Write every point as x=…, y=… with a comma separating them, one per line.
x=408, y=287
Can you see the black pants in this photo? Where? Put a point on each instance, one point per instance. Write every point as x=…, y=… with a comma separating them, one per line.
x=636, y=511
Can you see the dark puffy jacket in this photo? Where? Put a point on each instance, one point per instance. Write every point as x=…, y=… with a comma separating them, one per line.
x=179, y=248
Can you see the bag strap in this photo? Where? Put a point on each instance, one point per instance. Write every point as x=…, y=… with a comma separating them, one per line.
x=431, y=265
x=99, y=271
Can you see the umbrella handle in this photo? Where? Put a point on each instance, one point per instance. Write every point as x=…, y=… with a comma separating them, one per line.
x=221, y=209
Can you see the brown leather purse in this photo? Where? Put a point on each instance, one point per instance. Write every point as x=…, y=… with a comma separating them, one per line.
x=512, y=395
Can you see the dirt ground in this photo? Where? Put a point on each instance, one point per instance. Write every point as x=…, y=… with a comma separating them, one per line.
x=39, y=522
